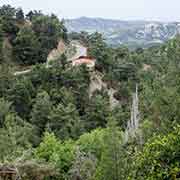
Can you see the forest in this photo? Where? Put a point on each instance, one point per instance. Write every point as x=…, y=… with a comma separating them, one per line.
x=51, y=128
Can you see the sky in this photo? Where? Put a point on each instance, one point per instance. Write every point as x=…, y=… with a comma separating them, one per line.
x=158, y=10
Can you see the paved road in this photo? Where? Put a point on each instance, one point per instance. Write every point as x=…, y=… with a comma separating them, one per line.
x=80, y=51
x=17, y=73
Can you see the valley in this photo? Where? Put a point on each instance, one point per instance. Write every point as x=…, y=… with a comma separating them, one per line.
x=131, y=33
x=96, y=105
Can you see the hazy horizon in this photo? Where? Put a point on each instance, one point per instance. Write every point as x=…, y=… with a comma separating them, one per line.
x=166, y=11
x=114, y=19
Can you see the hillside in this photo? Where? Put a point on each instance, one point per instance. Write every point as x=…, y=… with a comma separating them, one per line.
x=60, y=120
x=131, y=33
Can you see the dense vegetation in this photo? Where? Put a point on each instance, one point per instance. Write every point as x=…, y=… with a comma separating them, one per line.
x=50, y=128
x=29, y=39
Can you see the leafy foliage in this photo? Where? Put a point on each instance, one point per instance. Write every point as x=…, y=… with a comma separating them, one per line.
x=159, y=158
x=75, y=134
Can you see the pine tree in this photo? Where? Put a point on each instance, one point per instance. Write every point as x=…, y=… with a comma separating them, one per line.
x=5, y=109
x=15, y=137
x=113, y=159
x=1, y=44
x=20, y=15
x=21, y=94
x=26, y=47
x=41, y=111
x=65, y=121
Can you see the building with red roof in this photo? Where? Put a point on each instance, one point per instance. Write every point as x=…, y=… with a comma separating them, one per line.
x=88, y=61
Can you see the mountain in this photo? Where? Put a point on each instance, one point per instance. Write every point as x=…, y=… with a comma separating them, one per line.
x=131, y=33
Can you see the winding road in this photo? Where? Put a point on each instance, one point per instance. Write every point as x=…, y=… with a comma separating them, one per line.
x=17, y=73
x=80, y=51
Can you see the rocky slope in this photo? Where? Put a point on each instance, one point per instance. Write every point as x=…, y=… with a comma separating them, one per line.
x=131, y=33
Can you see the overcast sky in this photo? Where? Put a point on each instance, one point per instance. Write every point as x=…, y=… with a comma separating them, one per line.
x=163, y=10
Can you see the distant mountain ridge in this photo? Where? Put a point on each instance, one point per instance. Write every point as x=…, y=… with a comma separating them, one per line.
x=131, y=33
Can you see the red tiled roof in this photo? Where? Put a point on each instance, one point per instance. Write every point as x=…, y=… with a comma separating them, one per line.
x=86, y=57
x=84, y=60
